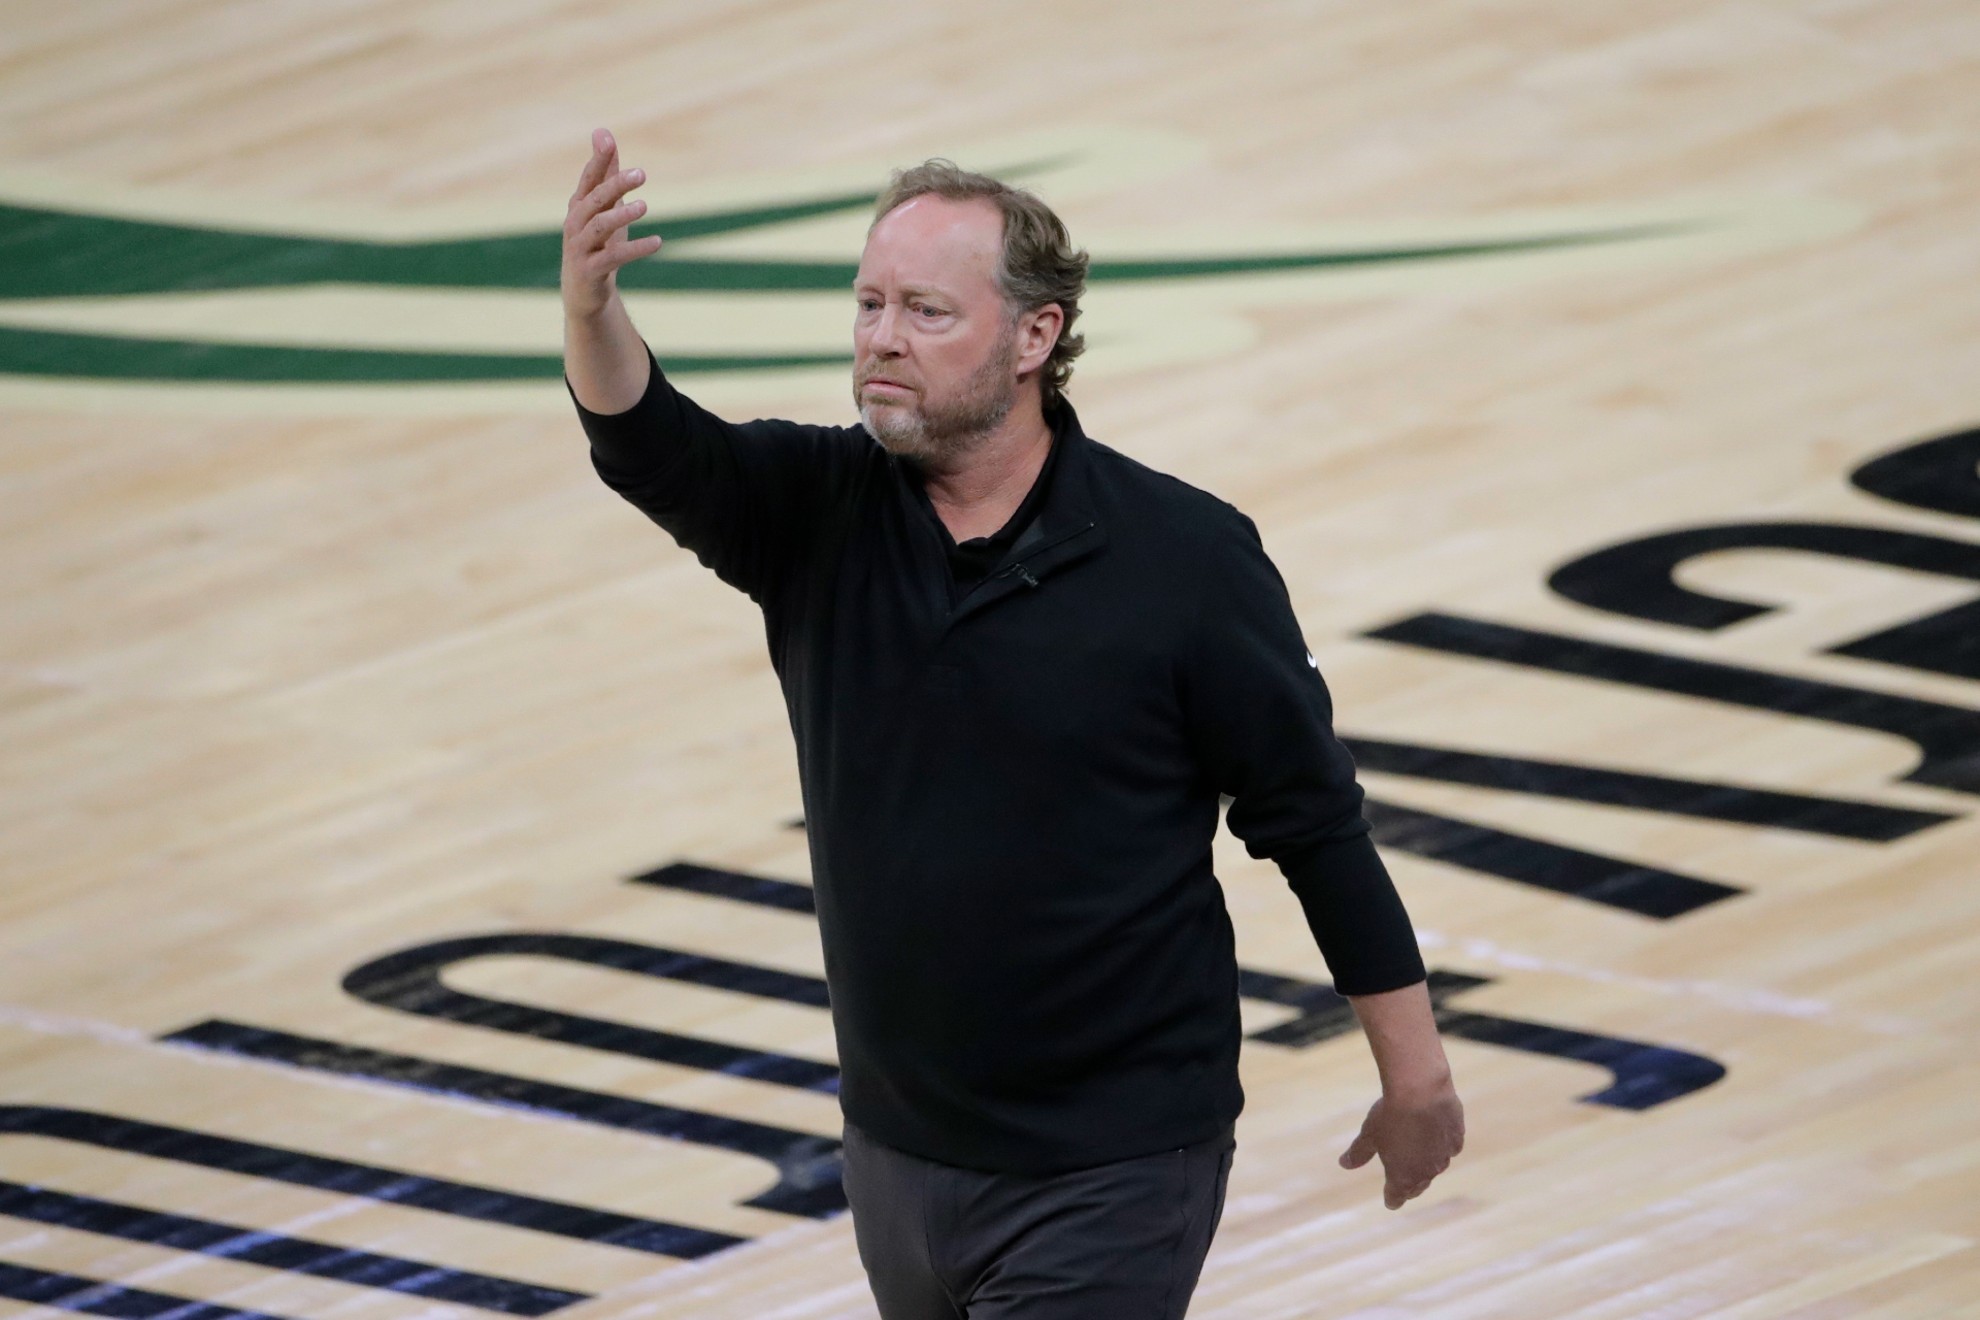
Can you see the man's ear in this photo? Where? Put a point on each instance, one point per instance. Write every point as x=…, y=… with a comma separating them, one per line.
x=1038, y=335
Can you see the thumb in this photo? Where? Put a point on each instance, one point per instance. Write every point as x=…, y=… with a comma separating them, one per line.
x=1359, y=1151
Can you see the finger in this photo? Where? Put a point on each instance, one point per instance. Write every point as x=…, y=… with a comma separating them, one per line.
x=610, y=226
x=610, y=190
x=1414, y=1172
x=608, y=193
x=644, y=246
x=1359, y=1151
x=1395, y=1195
x=619, y=254
x=602, y=153
x=592, y=220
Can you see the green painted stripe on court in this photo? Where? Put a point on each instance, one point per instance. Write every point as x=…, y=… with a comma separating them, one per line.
x=62, y=355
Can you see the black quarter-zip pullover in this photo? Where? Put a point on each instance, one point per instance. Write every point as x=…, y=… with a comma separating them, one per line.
x=970, y=561
x=1011, y=787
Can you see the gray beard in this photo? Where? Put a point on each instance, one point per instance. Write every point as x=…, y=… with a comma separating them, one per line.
x=935, y=436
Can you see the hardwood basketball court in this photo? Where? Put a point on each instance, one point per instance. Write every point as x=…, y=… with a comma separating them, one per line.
x=402, y=854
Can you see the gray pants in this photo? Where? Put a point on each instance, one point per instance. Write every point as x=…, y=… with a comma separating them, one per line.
x=1119, y=1241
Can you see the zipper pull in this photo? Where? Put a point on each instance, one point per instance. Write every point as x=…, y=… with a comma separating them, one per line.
x=1019, y=569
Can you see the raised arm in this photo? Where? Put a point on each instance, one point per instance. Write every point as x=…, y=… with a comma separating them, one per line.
x=749, y=499
x=604, y=356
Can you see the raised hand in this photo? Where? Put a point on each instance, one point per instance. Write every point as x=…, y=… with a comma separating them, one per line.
x=595, y=230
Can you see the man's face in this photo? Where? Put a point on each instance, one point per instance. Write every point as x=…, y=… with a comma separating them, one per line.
x=935, y=357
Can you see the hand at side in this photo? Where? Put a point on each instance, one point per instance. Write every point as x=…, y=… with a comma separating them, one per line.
x=1417, y=1137
x=1417, y=1126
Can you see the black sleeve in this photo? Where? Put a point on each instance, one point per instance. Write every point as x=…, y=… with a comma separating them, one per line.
x=1261, y=720
x=745, y=498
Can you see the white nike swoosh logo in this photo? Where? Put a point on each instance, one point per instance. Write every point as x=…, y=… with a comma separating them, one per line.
x=1311, y=661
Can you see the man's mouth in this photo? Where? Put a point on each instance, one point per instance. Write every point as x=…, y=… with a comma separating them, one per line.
x=882, y=383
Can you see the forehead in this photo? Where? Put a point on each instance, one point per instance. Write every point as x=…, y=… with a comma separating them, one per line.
x=938, y=243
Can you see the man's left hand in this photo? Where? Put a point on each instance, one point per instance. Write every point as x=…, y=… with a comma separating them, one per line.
x=1417, y=1136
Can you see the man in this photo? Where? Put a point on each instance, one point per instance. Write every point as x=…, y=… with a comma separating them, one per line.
x=1021, y=670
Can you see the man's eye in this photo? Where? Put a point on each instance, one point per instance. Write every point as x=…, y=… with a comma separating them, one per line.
x=926, y=310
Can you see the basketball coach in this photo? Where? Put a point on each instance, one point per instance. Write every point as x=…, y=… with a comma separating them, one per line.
x=1021, y=669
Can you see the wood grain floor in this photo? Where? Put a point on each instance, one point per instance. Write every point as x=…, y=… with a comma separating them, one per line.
x=317, y=650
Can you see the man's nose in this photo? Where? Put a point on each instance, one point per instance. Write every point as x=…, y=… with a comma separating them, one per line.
x=887, y=337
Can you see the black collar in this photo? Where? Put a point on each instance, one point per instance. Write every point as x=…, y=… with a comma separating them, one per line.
x=1066, y=505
